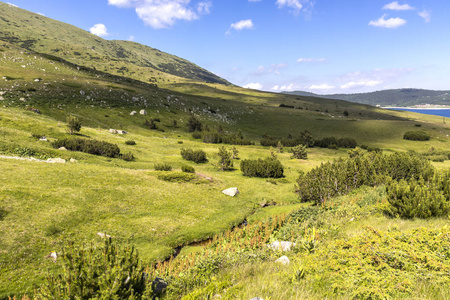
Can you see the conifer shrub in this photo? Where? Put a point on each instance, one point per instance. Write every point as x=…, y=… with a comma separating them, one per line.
x=416, y=136
x=130, y=142
x=344, y=175
x=225, y=159
x=299, y=152
x=419, y=198
x=197, y=156
x=194, y=124
x=187, y=169
x=263, y=168
x=162, y=167
x=105, y=272
x=90, y=146
x=127, y=156
x=177, y=177
x=334, y=143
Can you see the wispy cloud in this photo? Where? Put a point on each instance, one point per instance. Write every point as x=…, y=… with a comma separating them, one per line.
x=273, y=69
x=163, y=13
x=253, y=86
x=204, y=7
x=321, y=87
x=306, y=60
x=241, y=25
x=99, y=30
x=426, y=15
x=295, y=5
x=395, y=6
x=361, y=84
x=287, y=87
x=388, y=23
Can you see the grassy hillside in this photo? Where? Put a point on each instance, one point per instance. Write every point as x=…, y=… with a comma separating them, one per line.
x=47, y=36
x=44, y=204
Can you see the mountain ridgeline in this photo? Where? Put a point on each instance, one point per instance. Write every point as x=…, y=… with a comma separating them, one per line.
x=46, y=36
x=394, y=98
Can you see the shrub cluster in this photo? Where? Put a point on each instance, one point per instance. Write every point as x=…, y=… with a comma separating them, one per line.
x=334, y=143
x=130, y=142
x=304, y=138
x=299, y=152
x=187, y=169
x=106, y=272
x=215, y=137
x=90, y=146
x=163, y=167
x=420, y=198
x=416, y=136
x=177, y=177
x=194, y=124
x=264, y=168
x=197, y=156
x=343, y=175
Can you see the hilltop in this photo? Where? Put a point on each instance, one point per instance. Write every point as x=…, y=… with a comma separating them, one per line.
x=392, y=98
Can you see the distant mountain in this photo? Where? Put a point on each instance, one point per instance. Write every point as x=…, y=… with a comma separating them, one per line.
x=397, y=97
x=47, y=36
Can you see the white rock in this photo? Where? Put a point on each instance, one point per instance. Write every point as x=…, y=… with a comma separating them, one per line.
x=281, y=245
x=73, y=160
x=113, y=131
x=133, y=113
x=62, y=148
x=143, y=112
x=103, y=235
x=56, y=160
x=283, y=260
x=231, y=191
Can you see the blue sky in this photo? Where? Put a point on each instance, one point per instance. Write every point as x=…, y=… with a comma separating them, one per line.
x=321, y=46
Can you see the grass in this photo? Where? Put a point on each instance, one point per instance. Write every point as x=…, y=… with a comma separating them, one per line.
x=43, y=204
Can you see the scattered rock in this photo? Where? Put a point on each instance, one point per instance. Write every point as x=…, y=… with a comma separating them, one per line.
x=103, y=235
x=56, y=160
x=62, y=148
x=283, y=245
x=113, y=131
x=231, y=191
x=143, y=112
x=121, y=132
x=283, y=260
x=73, y=160
x=44, y=139
x=133, y=113
x=158, y=287
x=53, y=255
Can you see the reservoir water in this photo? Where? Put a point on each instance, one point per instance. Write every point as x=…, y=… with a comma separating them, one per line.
x=444, y=112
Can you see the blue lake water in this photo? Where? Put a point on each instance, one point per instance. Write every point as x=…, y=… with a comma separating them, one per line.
x=437, y=112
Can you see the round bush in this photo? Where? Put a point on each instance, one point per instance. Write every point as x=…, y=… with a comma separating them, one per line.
x=416, y=136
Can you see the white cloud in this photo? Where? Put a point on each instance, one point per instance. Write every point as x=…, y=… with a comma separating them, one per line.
x=324, y=86
x=99, y=30
x=395, y=6
x=360, y=84
x=253, y=86
x=244, y=24
x=11, y=5
x=288, y=87
x=294, y=4
x=300, y=60
x=163, y=13
x=388, y=23
x=426, y=15
x=131, y=38
x=41, y=14
x=204, y=8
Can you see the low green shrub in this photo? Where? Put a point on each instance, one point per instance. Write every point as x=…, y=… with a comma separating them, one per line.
x=419, y=198
x=416, y=136
x=163, y=167
x=187, y=169
x=177, y=177
x=130, y=142
x=127, y=156
x=334, y=143
x=299, y=152
x=197, y=156
x=344, y=175
x=263, y=168
x=90, y=146
x=103, y=272
x=37, y=135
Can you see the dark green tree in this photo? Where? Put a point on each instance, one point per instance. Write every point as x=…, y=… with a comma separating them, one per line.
x=74, y=124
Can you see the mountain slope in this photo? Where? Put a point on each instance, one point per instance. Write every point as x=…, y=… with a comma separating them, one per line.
x=44, y=35
x=395, y=97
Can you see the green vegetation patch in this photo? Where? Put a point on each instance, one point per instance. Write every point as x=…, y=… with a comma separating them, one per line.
x=178, y=177
x=416, y=136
